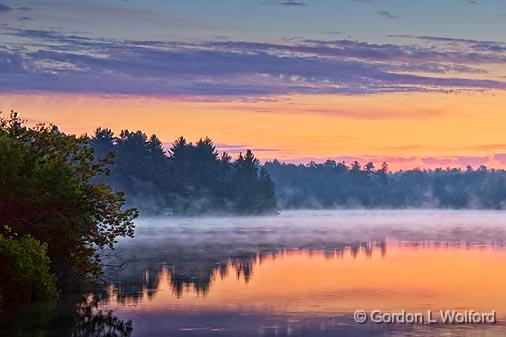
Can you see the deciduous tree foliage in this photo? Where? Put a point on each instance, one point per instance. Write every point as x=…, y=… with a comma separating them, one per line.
x=47, y=191
x=24, y=271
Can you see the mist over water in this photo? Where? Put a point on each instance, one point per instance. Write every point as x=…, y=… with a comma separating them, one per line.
x=303, y=273
x=293, y=229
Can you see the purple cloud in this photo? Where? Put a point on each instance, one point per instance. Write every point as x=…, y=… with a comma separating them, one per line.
x=387, y=14
x=477, y=45
x=501, y=158
x=471, y=161
x=291, y=3
x=60, y=62
x=437, y=161
x=4, y=8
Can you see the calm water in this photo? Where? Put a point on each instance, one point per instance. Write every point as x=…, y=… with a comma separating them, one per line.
x=305, y=273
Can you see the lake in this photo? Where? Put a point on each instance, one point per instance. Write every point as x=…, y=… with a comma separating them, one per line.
x=305, y=273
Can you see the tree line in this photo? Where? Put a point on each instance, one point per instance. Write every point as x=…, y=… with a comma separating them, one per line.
x=190, y=179
x=187, y=179
x=336, y=185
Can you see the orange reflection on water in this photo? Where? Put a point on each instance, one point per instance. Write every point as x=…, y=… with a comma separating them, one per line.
x=406, y=277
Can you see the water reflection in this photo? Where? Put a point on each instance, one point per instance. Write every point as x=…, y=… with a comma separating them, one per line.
x=411, y=276
x=303, y=275
x=197, y=276
x=83, y=319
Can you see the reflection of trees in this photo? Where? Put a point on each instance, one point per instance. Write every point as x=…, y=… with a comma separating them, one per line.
x=63, y=319
x=195, y=268
x=451, y=244
x=92, y=322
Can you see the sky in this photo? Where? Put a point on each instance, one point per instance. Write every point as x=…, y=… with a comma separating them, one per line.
x=414, y=83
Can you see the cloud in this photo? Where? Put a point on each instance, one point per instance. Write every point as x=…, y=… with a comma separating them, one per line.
x=284, y=3
x=241, y=148
x=477, y=45
x=24, y=9
x=471, y=161
x=23, y=18
x=437, y=161
x=403, y=147
x=4, y=8
x=408, y=162
x=59, y=62
x=387, y=14
x=501, y=158
x=487, y=147
x=370, y=115
x=481, y=147
x=390, y=159
x=424, y=162
x=292, y=3
x=377, y=160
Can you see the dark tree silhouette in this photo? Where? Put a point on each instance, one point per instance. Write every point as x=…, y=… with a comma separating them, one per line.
x=48, y=191
x=334, y=185
x=188, y=179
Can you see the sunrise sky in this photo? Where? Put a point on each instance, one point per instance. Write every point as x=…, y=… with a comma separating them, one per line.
x=415, y=83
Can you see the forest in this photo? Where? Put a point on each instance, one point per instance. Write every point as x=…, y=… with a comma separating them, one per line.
x=194, y=179
x=336, y=185
x=187, y=179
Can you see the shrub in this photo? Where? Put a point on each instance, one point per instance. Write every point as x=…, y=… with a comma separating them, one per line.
x=24, y=271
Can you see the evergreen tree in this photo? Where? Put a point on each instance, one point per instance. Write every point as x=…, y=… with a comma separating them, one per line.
x=331, y=185
x=188, y=179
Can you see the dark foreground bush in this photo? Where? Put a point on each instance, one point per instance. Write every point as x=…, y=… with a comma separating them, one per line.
x=62, y=320
x=24, y=271
x=47, y=191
